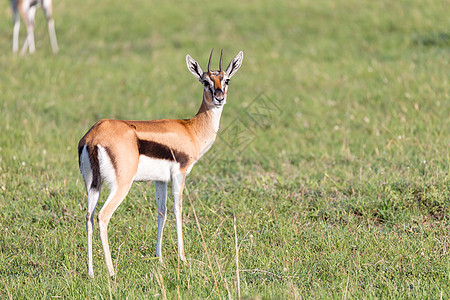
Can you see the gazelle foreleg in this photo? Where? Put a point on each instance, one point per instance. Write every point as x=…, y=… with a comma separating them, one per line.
x=161, y=200
x=177, y=191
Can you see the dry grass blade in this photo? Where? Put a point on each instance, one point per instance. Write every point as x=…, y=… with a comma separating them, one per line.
x=205, y=248
x=160, y=281
x=237, y=259
x=7, y=291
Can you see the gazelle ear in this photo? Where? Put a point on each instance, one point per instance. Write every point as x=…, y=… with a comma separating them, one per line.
x=194, y=67
x=235, y=64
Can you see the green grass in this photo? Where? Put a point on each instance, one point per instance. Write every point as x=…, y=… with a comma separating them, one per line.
x=339, y=187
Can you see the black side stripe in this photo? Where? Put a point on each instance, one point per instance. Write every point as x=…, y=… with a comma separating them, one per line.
x=160, y=151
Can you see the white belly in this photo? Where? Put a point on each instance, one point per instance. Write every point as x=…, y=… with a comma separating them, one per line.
x=155, y=169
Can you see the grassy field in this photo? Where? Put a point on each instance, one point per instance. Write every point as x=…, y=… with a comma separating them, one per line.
x=330, y=177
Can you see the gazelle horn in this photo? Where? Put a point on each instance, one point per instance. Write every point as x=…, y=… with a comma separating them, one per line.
x=209, y=62
x=220, y=63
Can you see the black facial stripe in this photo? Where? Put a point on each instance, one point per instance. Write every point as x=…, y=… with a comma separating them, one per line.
x=160, y=151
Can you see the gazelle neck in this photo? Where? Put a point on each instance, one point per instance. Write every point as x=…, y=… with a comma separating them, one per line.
x=206, y=123
x=210, y=113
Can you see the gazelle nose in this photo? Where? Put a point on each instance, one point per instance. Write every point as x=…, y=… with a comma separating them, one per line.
x=218, y=94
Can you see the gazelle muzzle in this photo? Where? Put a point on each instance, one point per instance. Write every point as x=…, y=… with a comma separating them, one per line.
x=219, y=95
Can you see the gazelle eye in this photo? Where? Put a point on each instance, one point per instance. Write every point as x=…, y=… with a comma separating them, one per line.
x=227, y=82
x=205, y=83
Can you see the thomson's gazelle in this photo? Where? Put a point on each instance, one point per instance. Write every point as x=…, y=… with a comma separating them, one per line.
x=120, y=152
x=27, y=9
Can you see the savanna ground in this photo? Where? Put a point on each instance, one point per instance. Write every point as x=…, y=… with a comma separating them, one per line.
x=332, y=162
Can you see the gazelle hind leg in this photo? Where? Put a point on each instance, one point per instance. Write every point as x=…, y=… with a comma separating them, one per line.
x=119, y=187
x=177, y=191
x=93, y=192
x=93, y=196
x=16, y=29
x=52, y=33
x=47, y=6
x=30, y=29
x=16, y=36
x=115, y=197
x=161, y=200
x=28, y=17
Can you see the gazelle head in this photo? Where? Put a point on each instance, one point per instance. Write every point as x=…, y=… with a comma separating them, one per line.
x=215, y=82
